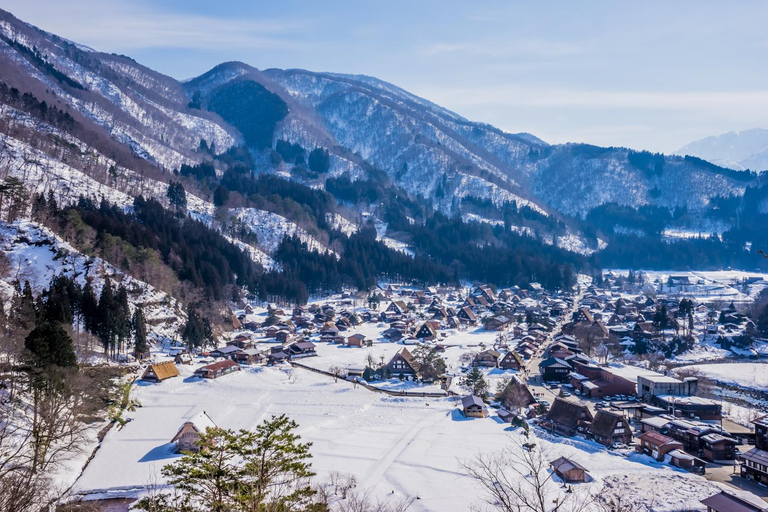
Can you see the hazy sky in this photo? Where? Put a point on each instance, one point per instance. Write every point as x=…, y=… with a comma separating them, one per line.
x=649, y=75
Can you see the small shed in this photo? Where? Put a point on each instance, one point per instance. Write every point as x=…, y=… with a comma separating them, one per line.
x=684, y=460
x=474, y=407
x=356, y=340
x=183, y=358
x=160, y=371
x=568, y=470
x=189, y=433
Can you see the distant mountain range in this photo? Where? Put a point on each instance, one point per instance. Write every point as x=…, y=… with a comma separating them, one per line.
x=81, y=122
x=747, y=149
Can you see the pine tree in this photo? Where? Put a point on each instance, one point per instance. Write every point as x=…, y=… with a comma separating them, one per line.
x=90, y=309
x=25, y=309
x=122, y=317
x=139, y=332
x=50, y=345
x=106, y=322
x=265, y=470
x=194, y=333
x=177, y=196
x=475, y=382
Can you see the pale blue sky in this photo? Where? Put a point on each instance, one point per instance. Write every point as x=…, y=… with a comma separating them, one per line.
x=649, y=75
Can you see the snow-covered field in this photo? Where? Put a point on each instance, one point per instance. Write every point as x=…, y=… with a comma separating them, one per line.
x=708, y=286
x=394, y=446
x=745, y=375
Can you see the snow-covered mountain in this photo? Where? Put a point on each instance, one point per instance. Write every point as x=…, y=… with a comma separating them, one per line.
x=132, y=127
x=747, y=149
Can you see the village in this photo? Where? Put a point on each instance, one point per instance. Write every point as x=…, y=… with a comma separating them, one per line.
x=583, y=366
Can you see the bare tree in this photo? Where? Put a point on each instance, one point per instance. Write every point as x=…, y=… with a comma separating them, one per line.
x=517, y=479
x=337, y=371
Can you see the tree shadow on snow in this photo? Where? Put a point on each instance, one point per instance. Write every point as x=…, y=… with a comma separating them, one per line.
x=164, y=451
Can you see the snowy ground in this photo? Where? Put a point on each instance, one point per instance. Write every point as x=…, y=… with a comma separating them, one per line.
x=39, y=255
x=707, y=286
x=745, y=375
x=413, y=447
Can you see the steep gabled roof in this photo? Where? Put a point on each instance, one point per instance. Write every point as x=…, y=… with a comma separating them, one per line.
x=564, y=464
x=162, y=371
x=471, y=400
x=604, y=424
x=199, y=422
x=567, y=413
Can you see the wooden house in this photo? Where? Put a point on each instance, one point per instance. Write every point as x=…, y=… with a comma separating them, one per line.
x=608, y=428
x=684, y=460
x=301, y=349
x=512, y=361
x=657, y=445
x=158, y=372
x=583, y=315
x=719, y=448
x=725, y=501
x=183, y=358
x=356, y=340
x=473, y=407
x=427, y=331
x=188, y=436
x=277, y=357
x=403, y=363
x=487, y=359
x=565, y=417
x=568, y=470
x=398, y=307
x=227, y=351
x=467, y=316
x=216, y=370
x=555, y=369
x=248, y=356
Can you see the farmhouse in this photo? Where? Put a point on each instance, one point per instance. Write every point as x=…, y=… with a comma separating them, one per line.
x=216, y=370
x=568, y=470
x=248, y=356
x=567, y=417
x=300, y=349
x=160, y=371
x=227, y=351
x=467, y=316
x=403, y=363
x=188, y=436
x=398, y=307
x=487, y=358
x=608, y=428
x=183, y=358
x=473, y=407
x=427, y=331
x=512, y=361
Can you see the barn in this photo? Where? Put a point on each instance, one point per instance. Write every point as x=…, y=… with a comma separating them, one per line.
x=216, y=370
x=187, y=437
x=160, y=371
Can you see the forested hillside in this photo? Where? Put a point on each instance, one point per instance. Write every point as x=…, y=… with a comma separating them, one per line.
x=286, y=183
